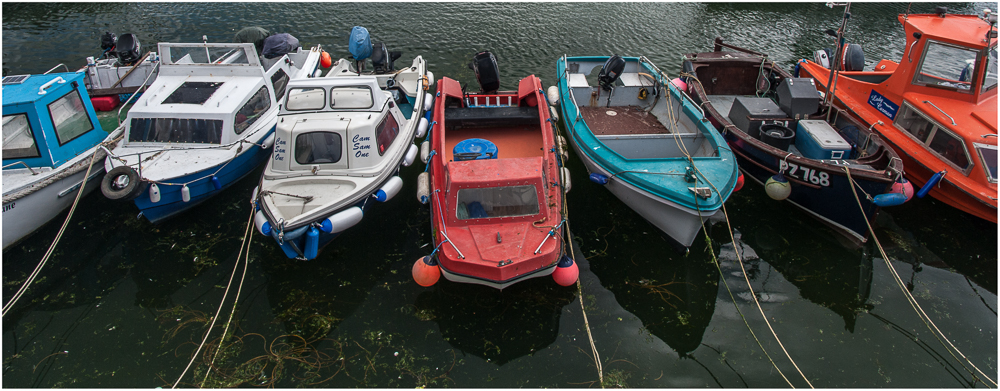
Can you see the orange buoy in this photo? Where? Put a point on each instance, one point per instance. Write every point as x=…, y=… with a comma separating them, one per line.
x=426, y=271
x=324, y=60
x=567, y=272
x=739, y=183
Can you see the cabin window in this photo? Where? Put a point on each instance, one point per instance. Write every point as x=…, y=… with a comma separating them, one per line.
x=252, y=110
x=990, y=81
x=193, y=92
x=988, y=155
x=386, y=132
x=318, y=148
x=202, y=54
x=506, y=201
x=914, y=123
x=175, y=130
x=950, y=147
x=946, y=66
x=351, y=97
x=309, y=98
x=69, y=117
x=18, y=139
x=279, y=80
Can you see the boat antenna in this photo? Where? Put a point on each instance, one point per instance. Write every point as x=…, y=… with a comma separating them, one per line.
x=835, y=68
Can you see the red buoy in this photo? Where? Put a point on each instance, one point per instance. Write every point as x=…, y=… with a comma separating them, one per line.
x=566, y=272
x=903, y=187
x=426, y=271
x=324, y=60
x=739, y=183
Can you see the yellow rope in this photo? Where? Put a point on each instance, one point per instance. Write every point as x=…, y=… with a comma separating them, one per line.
x=52, y=247
x=938, y=334
x=219, y=310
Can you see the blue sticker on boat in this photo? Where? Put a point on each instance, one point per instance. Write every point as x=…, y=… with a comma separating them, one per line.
x=883, y=105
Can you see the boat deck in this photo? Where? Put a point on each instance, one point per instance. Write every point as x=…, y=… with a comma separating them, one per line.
x=621, y=120
x=511, y=141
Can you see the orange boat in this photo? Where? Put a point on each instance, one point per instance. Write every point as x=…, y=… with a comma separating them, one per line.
x=937, y=107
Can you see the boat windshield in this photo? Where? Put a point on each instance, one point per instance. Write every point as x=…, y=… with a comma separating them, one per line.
x=947, y=66
x=933, y=136
x=988, y=154
x=175, y=130
x=69, y=117
x=505, y=201
x=990, y=81
x=18, y=139
x=207, y=54
x=359, y=97
x=308, y=98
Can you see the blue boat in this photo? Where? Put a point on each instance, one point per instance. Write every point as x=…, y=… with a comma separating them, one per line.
x=646, y=141
x=205, y=122
x=50, y=137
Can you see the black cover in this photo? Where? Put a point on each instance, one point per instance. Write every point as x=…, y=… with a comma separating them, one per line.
x=108, y=41
x=745, y=108
x=383, y=59
x=487, y=72
x=127, y=49
x=611, y=71
x=777, y=136
x=854, y=58
x=798, y=97
x=278, y=45
x=254, y=35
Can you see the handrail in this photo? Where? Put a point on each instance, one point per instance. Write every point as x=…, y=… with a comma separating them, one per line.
x=942, y=112
x=57, y=66
x=41, y=90
x=719, y=45
x=22, y=163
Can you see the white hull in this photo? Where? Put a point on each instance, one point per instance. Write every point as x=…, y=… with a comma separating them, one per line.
x=469, y=280
x=24, y=215
x=680, y=223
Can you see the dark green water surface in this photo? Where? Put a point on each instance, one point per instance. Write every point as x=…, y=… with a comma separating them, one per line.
x=124, y=303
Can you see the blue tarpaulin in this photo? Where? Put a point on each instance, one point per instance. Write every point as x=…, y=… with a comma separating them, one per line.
x=279, y=44
x=360, y=45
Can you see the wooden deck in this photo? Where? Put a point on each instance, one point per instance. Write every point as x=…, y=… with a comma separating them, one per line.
x=624, y=120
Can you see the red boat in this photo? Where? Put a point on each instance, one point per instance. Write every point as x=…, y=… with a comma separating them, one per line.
x=495, y=184
x=937, y=107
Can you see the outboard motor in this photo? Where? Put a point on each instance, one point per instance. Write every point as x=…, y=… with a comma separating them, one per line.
x=487, y=72
x=610, y=72
x=127, y=49
x=383, y=59
x=108, y=41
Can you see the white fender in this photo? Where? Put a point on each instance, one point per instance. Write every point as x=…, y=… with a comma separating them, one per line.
x=260, y=221
x=342, y=220
x=565, y=178
x=154, y=193
x=423, y=187
x=267, y=143
x=552, y=93
x=425, y=151
x=185, y=193
x=317, y=73
x=411, y=154
x=421, y=127
x=553, y=113
x=253, y=196
x=428, y=101
x=390, y=189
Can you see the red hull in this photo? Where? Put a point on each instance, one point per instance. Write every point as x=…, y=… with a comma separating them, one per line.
x=482, y=206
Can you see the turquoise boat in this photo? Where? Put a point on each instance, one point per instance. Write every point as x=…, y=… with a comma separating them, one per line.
x=646, y=142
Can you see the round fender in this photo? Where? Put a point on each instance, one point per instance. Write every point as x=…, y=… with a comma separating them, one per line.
x=121, y=183
x=268, y=142
x=552, y=94
x=428, y=101
x=389, y=190
x=411, y=154
x=421, y=127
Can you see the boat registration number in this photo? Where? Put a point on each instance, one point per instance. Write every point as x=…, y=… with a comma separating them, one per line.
x=805, y=174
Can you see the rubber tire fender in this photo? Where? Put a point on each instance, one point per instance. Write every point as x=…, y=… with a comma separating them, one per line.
x=129, y=192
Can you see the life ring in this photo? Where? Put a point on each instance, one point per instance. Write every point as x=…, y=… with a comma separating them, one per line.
x=121, y=183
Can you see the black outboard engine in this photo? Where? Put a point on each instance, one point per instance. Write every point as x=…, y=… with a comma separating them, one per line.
x=610, y=72
x=487, y=72
x=127, y=49
x=383, y=59
x=108, y=41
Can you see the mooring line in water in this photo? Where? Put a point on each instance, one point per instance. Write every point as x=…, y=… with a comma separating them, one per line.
x=221, y=303
x=579, y=294
x=31, y=278
x=938, y=334
x=753, y=294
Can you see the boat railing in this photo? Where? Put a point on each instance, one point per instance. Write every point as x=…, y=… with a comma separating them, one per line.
x=144, y=87
x=719, y=45
x=664, y=76
x=495, y=99
x=21, y=162
x=57, y=66
x=942, y=112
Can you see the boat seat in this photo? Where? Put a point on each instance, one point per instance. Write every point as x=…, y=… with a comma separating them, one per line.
x=490, y=116
x=578, y=80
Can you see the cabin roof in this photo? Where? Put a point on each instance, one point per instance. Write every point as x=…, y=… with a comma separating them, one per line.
x=966, y=30
x=27, y=90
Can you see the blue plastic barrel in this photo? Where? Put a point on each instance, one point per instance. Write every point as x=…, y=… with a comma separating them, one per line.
x=474, y=149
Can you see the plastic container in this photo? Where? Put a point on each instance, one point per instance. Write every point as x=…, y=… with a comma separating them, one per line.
x=777, y=136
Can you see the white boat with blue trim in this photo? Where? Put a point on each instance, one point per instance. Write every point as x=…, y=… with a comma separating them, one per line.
x=340, y=142
x=50, y=137
x=205, y=122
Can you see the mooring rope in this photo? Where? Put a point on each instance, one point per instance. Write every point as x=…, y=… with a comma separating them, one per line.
x=45, y=258
x=221, y=303
x=938, y=334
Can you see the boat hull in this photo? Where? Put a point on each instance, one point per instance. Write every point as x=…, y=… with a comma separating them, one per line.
x=171, y=203
x=25, y=215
